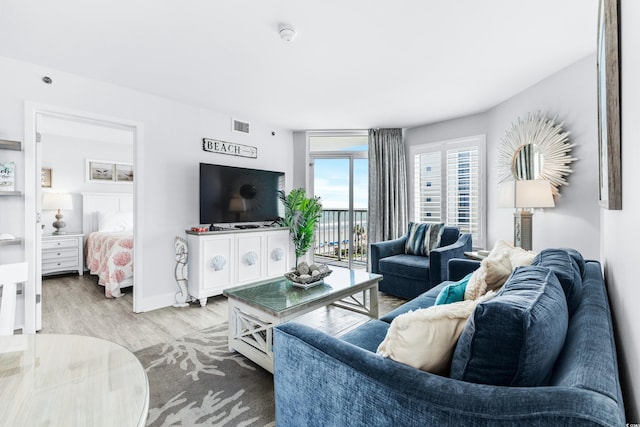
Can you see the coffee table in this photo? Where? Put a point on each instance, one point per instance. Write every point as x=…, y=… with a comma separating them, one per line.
x=70, y=380
x=255, y=309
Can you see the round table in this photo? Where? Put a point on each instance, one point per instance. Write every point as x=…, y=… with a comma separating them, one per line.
x=70, y=380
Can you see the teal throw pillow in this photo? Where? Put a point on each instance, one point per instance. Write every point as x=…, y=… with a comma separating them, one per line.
x=422, y=238
x=453, y=292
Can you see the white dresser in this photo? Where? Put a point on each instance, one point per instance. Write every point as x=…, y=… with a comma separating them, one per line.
x=62, y=253
x=223, y=259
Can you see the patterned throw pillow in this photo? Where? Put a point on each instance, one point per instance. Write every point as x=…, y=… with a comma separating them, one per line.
x=422, y=238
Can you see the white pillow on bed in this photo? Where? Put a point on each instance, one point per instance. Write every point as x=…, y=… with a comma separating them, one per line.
x=115, y=221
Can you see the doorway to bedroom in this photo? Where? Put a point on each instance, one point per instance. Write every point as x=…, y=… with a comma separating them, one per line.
x=86, y=171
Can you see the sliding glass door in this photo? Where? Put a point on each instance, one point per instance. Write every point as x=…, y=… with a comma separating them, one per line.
x=340, y=179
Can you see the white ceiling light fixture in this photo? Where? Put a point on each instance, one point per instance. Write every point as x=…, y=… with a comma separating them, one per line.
x=287, y=32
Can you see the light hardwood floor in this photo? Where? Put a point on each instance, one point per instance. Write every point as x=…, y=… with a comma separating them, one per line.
x=76, y=305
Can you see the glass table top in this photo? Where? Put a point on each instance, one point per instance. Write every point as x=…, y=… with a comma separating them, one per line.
x=279, y=295
x=87, y=378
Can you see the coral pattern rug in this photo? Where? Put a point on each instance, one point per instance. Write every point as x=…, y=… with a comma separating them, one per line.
x=196, y=381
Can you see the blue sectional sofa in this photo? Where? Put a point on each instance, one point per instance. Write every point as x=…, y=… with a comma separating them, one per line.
x=408, y=276
x=500, y=376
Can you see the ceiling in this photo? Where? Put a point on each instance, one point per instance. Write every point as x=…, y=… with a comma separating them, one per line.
x=355, y=64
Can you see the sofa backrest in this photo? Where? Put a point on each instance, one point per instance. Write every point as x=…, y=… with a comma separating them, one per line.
x=588, y=359
x=568, y=266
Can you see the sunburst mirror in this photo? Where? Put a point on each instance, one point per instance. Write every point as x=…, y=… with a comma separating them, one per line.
x=536, y=148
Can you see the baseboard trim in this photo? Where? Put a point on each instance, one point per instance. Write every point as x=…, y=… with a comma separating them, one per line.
x=158, y=301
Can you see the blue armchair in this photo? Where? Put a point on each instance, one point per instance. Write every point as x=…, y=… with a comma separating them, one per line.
x=408, y=276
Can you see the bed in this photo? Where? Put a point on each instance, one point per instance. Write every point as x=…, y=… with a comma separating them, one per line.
x=108, y=229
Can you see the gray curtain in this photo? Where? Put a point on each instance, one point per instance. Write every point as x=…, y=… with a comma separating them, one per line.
x=387, y=218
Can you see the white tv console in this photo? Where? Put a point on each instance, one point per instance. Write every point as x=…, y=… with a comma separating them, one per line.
x=223, y=259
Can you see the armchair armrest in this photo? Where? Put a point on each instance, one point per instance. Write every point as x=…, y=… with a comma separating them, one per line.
x=458, y=268
x=385, y=249
x=439, y=258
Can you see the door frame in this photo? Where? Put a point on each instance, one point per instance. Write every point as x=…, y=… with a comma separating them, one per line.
x=32, y=195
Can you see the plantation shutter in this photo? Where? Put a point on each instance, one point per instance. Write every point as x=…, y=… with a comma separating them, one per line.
x=463, y=190
x=447, y=185
x=428, y=185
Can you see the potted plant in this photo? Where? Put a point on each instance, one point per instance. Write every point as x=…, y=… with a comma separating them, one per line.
x=301, y=215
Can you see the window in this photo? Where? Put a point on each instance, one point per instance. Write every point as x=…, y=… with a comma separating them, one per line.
x=448, y=185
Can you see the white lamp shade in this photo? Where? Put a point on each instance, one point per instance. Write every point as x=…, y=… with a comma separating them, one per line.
x=55, y=201
x=237, y=204
x=534, y=193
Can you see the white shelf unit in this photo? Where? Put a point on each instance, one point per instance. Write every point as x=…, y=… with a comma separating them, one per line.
x=10, y=242
x=10, y=145
x=6, y=144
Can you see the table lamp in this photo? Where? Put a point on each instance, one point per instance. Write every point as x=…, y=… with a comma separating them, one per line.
x=524, y=195
x=57, y=201
x=238, y=205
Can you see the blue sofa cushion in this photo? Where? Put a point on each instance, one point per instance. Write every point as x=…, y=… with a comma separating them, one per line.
x=514, y=339
x=453, y=292
x=577, y=257
x=566, y=266
x=422, y=238
x=409, y=266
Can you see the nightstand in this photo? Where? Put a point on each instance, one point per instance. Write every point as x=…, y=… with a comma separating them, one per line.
x=62, y=253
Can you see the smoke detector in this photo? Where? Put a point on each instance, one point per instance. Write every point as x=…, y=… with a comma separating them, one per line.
x=287, y=32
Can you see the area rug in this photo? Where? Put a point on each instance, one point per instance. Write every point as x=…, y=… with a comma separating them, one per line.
x=196, y=381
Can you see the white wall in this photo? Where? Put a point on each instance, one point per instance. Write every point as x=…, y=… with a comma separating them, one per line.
x=620, y=230
x=66, y=157
x=570, y=94
x=301, y=160
x=170, y=153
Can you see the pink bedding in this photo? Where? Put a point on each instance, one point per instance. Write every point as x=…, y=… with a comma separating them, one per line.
x=110, y=257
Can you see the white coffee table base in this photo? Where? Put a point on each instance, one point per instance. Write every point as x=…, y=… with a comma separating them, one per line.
x=251, y=329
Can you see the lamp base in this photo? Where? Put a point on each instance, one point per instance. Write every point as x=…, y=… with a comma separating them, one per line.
x=523, y=229
x=59, y=225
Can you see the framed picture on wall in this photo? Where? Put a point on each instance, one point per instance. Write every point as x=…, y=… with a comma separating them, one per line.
x=100, y=171
x=124, y=172
x=104, y=171
x=45, y=178
x=609, y=106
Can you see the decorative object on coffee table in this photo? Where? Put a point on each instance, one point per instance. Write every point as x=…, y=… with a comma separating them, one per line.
x=301, y=214
x=306, y=276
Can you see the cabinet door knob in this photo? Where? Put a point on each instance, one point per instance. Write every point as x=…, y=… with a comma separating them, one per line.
x=218, y=262
x=277, y=254
x=251, y=258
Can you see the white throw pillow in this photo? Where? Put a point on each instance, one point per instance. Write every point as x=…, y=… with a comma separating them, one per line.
x=496, y=268
x=115, y=221
x=425, y=339
x=518, y=256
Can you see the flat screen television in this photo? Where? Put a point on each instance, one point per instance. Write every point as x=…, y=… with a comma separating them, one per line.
x=232, y=194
